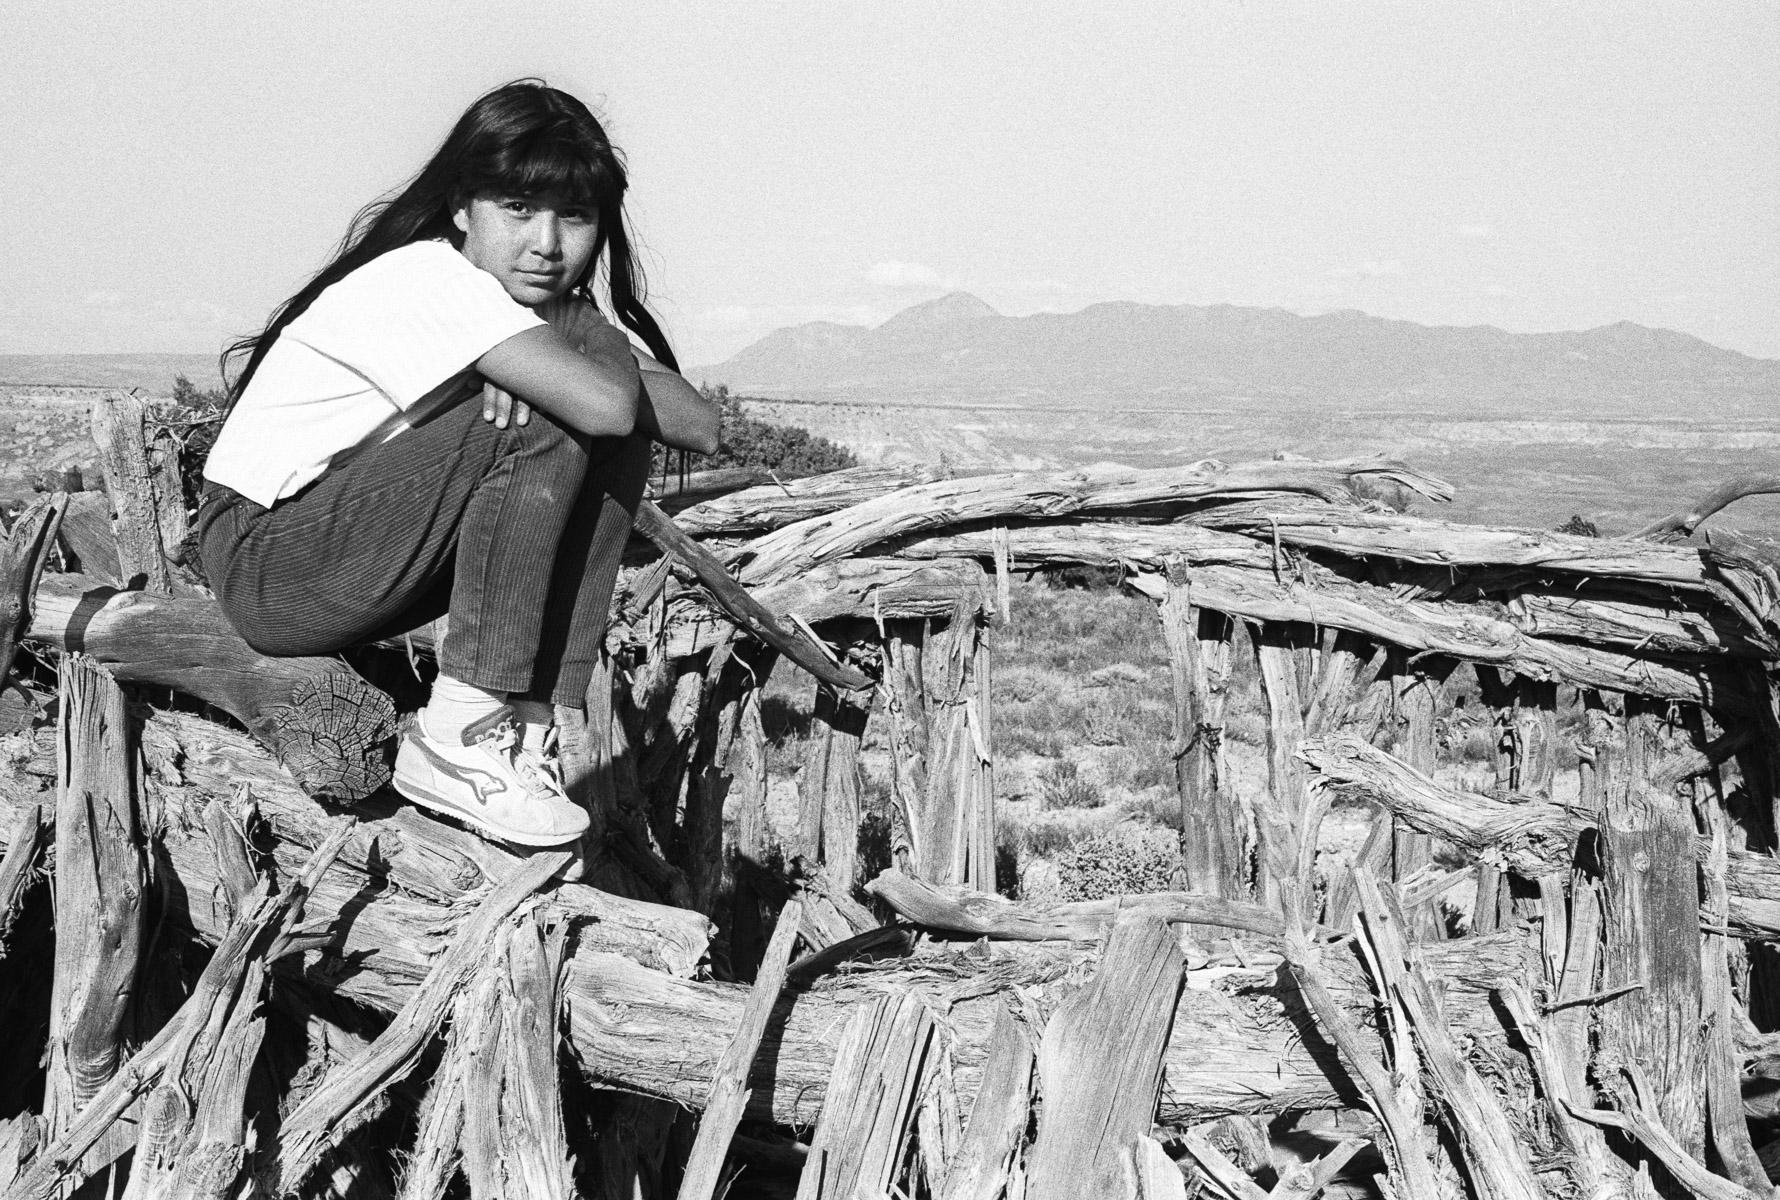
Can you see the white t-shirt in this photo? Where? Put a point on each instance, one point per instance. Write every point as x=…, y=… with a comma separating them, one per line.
x=403, y=326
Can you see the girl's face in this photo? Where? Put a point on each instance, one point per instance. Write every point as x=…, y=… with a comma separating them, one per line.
x=536, y=246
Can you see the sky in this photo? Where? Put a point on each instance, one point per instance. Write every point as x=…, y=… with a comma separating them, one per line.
x=169, y=173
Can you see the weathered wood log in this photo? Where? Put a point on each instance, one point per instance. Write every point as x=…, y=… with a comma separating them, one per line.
x=729, y=1089
x=871, y=1094
x=984, y=914
x=1100, y=1066
x=342, y=1100
x=1724, y=1069
x=438, y=1141
x=1731, y=490
x=789, y=551
x=1467, y=632
x=1411, y=538
x=1234, y=1050
x=1531, y=837
x=1493, y=1156
x=1392, y=1095
x=1651, y=896
x=879, y=588
x=263, y=931
x=327, y=726
x=118, y=428
x=23, y=550
x=99, y=879
x=1212, y=820
x=735, y=602
x=775, y=505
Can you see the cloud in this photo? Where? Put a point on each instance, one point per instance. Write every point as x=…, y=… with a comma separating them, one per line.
x=1475, y=232
x=893, y=274
x=1368, y=269
x=1497, y=290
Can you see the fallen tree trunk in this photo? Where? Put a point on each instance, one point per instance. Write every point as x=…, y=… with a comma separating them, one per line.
x=1245, y=1047
x=775, y=505
x=323, y=721
x=787, y=552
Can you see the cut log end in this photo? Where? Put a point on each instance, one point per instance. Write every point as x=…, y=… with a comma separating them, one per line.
x=335, y=737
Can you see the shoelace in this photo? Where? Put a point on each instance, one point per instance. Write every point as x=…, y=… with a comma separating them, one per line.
x=539, y=769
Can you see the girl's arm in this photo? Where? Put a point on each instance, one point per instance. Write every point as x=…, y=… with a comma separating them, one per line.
x=672, y=411
x=595, y=390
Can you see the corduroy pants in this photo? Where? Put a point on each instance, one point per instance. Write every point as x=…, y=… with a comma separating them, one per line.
x=515, y=532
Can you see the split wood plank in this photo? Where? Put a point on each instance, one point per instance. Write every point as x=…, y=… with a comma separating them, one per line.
x=23, y=550
x=535, y=1159
x=830, y=787
x=998, y=1116
x=1651, y=898
x=877, y=1074
x=118, y=428
x=86, y=534
x=729, y=1088
x=99, y=892
x=341, y=1102
x=1100, y=1066
x=735, y=602
x=438, y=1142
x=1407, y=1145
x=1718, y=1009
x=1493, y=1156
x=1212, y=820
x=16, y=867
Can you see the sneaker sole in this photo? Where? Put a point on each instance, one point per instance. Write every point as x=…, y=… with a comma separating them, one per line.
x=439, y=804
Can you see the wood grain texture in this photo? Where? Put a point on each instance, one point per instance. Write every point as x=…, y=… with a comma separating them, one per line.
x=99, y=901
x=729, y=1088
x=327, y=725
x=1100, y=1067
x=118, y=428
x=870, y=1100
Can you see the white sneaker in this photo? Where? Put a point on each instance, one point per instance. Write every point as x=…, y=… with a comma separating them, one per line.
x=490, y=782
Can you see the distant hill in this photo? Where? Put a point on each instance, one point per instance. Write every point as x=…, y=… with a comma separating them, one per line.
x=153, y=373
x=958, y=346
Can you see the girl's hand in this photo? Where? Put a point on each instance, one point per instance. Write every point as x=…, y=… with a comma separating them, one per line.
x=499, y=406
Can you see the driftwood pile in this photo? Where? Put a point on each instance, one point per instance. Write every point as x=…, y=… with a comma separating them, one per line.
x=259, y=973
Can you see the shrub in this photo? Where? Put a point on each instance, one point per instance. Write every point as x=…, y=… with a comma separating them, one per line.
x=1124, y=862
x=1060, y=785
x=1089, y=579
x=746, y=441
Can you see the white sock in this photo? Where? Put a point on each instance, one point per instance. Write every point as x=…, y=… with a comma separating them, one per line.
x=537, y=716
x=455, y=705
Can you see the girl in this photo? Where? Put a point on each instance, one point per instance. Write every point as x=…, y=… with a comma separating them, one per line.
x=356, y=491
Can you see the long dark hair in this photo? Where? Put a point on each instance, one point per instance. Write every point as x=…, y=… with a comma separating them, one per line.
x=523, y=139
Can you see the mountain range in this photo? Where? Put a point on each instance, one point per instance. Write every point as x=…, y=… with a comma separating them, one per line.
x=958, y=347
